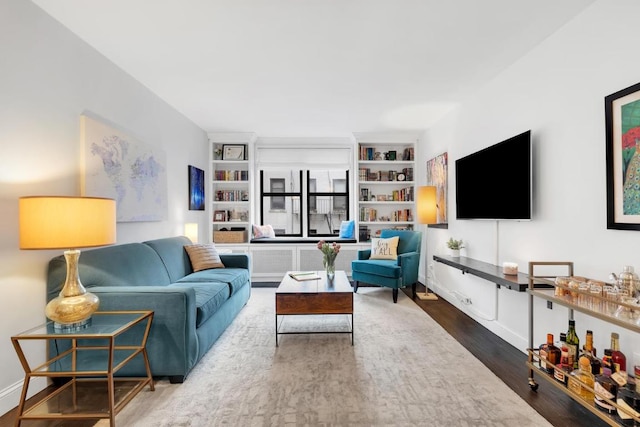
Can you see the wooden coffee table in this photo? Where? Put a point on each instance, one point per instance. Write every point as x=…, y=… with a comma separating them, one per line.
x=314, y=297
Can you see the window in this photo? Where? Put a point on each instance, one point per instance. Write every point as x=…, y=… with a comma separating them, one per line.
x=276, y=185
x=280, y=195
x=325, y=194
x=328, y=194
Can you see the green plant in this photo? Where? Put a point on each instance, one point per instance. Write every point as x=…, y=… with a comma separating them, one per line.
x=455, y=244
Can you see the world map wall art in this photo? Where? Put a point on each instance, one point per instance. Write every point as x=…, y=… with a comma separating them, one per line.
x=118, y=166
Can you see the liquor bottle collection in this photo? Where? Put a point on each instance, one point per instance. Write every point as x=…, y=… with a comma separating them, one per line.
x=592, y=378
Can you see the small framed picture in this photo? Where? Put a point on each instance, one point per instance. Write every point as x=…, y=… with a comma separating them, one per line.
x=220, y=216
x=233, y=152
x=392, y=155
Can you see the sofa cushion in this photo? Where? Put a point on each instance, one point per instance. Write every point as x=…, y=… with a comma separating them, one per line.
x=379, y=267
x=173, y=255
x=203, y=256
x=235, y=278
x=131, y=264
x=209, y=298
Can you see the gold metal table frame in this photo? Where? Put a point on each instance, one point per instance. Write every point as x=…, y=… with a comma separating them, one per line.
x=84, y=397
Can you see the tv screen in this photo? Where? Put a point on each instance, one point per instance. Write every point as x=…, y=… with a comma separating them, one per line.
x=496, y=182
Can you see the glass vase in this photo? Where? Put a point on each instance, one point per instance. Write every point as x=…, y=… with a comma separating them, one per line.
x=329, y=267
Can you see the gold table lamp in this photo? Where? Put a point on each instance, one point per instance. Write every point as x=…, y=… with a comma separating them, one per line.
x=52, y=222
x=427, y=214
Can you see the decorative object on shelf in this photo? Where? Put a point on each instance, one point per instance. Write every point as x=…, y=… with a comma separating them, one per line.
x=233, y=152
x=437, y=176
x=427, y=214
x=48, y=222
x=220, y=216
x=510, y=268
x=455, y=246
x=217, y=153
x=196, y=189
x=118, y=166
x=329, y=253
x=622, y=125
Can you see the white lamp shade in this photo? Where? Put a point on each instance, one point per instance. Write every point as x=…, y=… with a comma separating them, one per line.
x=51, y=222
x=191, y=231
x=427, y=205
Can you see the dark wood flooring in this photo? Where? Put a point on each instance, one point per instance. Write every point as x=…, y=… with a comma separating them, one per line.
x=504, y=360
x=508, y=364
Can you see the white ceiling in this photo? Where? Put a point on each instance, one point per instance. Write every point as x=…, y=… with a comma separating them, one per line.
x=313, y=67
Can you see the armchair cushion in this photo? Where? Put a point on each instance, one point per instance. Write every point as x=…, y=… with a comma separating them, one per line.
x=384, y=248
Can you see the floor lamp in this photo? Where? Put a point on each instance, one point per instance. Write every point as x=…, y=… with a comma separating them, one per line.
x=427, y=214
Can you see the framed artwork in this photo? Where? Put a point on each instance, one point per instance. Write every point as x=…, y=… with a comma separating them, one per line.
x=233, y=152
x=196, y=189
x=437, y=176
x=622, y=122
x=117, y=165
x=220, y=216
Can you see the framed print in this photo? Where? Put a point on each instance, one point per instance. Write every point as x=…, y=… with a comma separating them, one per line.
x=622, y=122
x=196, y=189
x=437, y=177
x=220, y=216
x=233, y=152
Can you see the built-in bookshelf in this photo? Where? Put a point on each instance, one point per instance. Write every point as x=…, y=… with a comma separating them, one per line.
x=231, y=185
x=386, y=184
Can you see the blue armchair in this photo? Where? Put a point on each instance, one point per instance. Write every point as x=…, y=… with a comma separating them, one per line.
x=394, y=274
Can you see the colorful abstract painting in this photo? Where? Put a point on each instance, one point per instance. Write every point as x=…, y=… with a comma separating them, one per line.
x=437, y=176
x=622, y=123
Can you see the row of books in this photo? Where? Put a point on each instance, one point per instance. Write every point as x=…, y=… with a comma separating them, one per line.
x=232, y=195
x=364, y=233
x=371, y=214
x=402, y=195
x=370, y=153
x=225, y=175
x=366, y=174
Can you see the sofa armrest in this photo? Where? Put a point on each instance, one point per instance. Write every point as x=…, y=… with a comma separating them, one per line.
x=172, y=344
x=410, y=262
x=364, y=254
x=235, y=260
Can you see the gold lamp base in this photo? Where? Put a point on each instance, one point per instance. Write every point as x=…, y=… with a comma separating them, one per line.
x=72, y=308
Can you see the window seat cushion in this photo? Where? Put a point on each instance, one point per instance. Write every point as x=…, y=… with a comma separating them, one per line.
x=297, y=240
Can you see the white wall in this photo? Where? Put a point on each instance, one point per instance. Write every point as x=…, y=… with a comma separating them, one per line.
x=48, y=77
x=557, y=91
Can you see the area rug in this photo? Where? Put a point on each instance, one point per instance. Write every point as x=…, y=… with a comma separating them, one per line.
x=403, y=370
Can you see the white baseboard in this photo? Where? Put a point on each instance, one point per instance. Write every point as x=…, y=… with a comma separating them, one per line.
x=10, y=396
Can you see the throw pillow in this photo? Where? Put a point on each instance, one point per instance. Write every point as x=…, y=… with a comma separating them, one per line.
x=384, y=248
x=347, y=229
x=203, y=256
x=260, y=231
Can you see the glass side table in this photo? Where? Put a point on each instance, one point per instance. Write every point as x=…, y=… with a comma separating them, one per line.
x=91, y=393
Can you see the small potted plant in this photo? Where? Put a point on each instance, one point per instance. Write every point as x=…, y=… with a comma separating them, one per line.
x=455, y=246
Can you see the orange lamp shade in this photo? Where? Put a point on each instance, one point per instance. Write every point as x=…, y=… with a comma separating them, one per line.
x=427, y=205
x=52, y=222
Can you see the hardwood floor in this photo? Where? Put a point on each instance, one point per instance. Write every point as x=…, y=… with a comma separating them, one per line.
x=504, y=360
x=508, y=364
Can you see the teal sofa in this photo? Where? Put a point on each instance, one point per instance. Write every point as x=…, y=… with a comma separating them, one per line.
x=191, y=310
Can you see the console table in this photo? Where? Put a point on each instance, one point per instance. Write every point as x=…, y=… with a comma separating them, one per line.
x=484, y=270
x=91, y=393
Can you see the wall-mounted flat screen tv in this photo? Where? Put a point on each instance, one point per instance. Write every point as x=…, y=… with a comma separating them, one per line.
x=496, y=182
